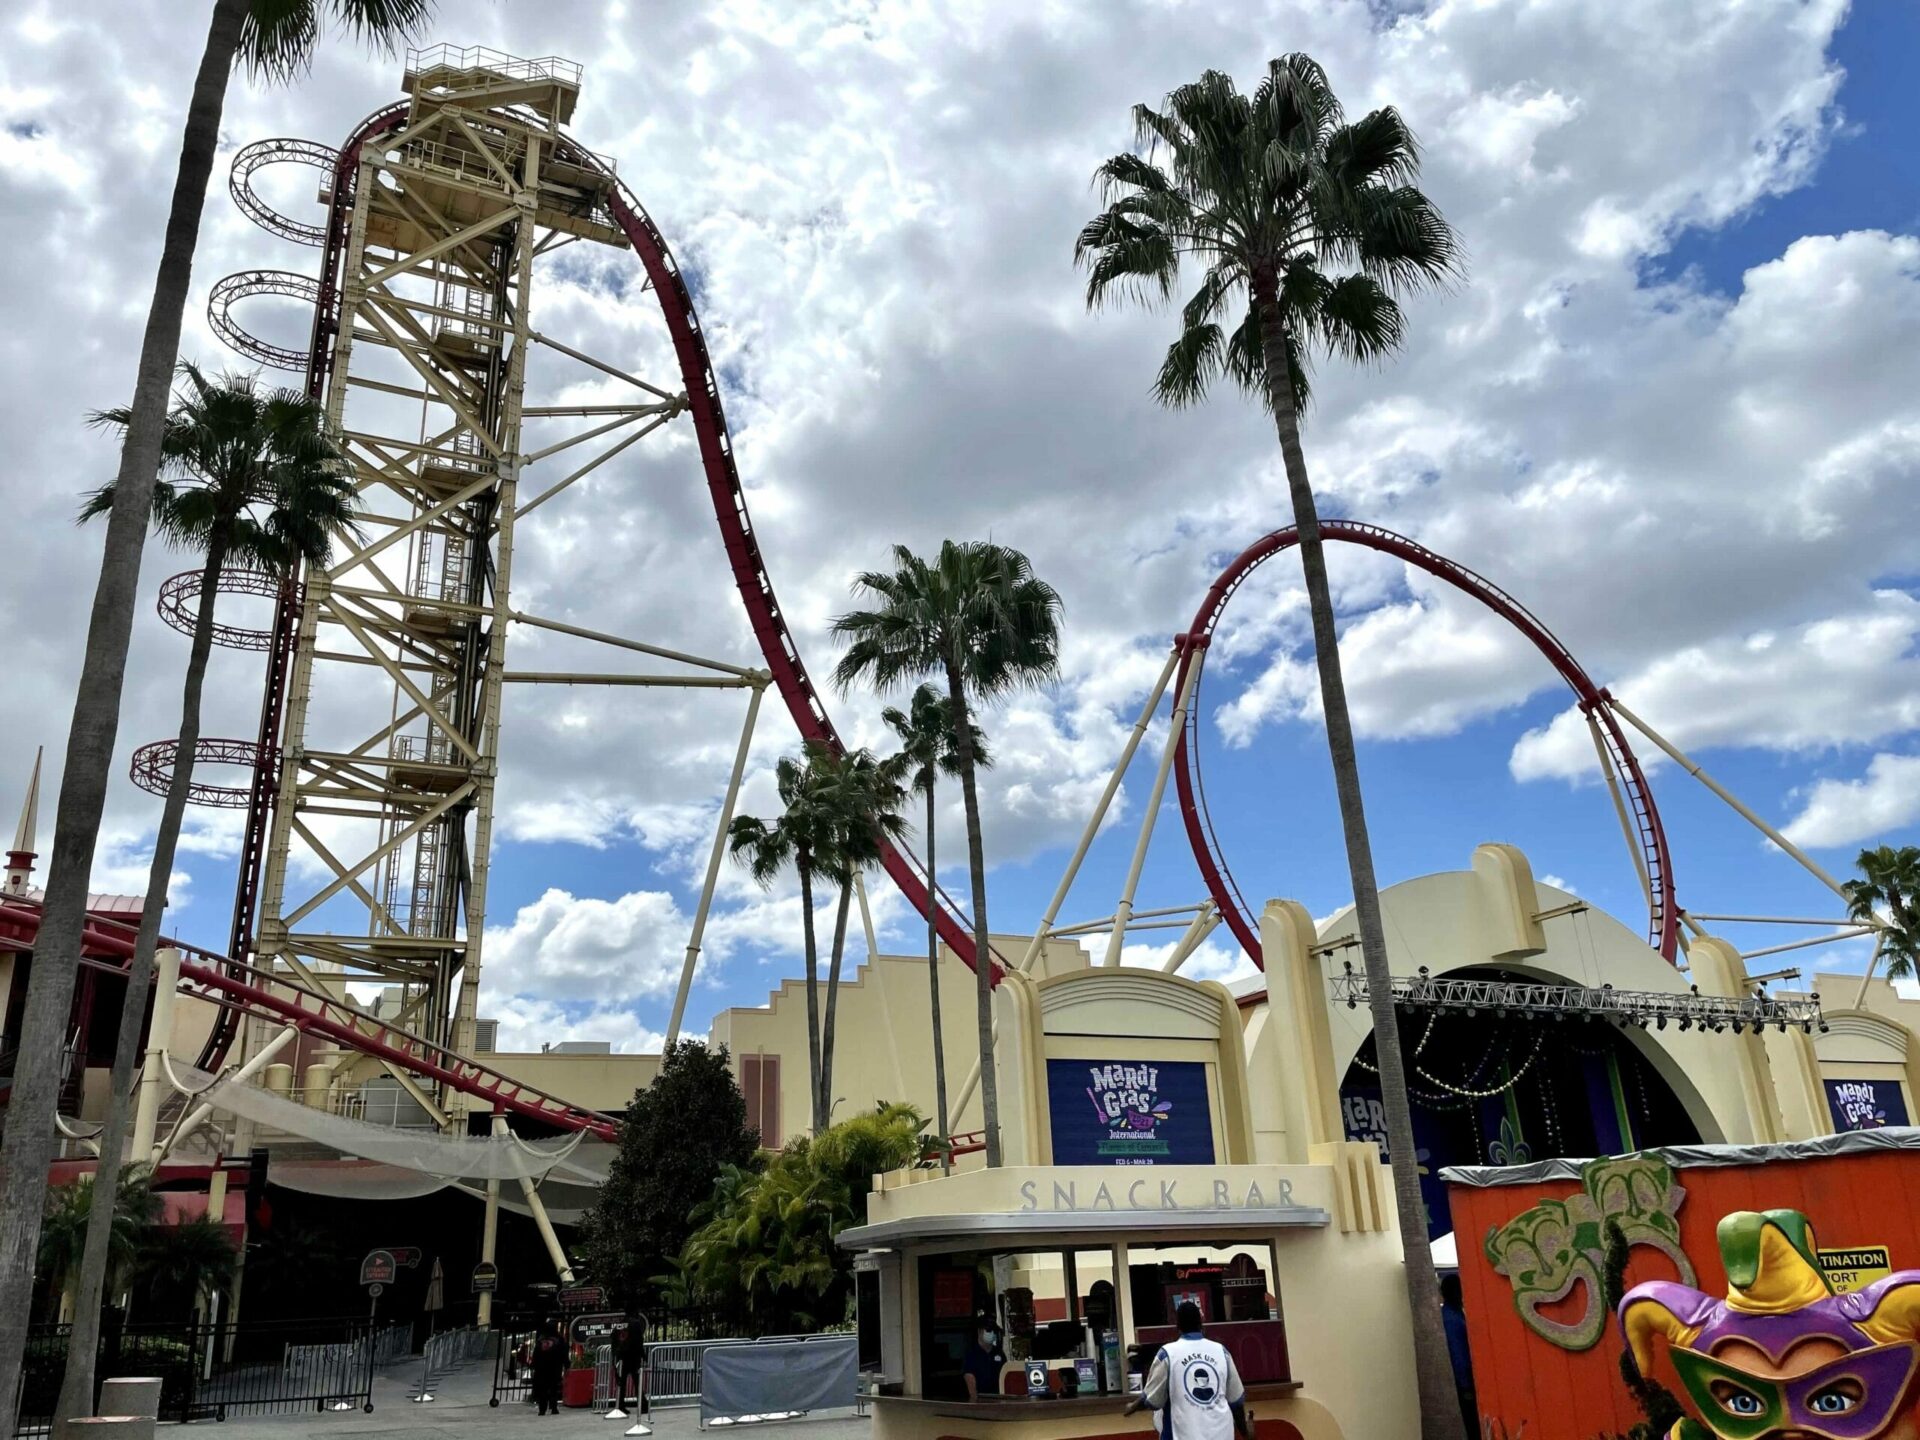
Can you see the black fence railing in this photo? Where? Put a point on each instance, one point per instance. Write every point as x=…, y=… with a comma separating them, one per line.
x=212, y=1371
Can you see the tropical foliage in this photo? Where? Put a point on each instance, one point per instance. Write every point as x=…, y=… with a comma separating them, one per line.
x=929, y=748
x=1885, y=897
x=677, y=1137
x=175, y=1265
x=1307, y=230
x=977, y=617
x=63, y=1232
x=766, y=1236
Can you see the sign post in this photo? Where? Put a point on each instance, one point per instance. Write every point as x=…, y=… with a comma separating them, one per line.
x=486, y=1278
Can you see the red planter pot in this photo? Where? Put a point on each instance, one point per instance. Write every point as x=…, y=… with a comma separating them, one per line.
x=576, y=1389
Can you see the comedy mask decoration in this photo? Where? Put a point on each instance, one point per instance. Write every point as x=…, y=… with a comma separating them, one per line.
x=1783, y=1357
x=1558, y=1244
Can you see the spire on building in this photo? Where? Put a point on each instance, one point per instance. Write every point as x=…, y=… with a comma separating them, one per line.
x=20, y=858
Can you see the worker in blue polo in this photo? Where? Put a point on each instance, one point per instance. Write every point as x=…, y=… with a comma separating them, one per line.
x=1194, y=1384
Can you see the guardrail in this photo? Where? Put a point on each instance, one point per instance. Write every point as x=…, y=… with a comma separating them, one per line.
x=446, y=1352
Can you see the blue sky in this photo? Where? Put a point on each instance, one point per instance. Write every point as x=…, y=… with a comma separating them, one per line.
x=1671, y=410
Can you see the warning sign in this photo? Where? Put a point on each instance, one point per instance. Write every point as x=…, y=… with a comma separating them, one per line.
x=1855, y=1269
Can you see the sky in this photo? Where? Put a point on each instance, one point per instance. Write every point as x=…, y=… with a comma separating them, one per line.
x=1670, y=408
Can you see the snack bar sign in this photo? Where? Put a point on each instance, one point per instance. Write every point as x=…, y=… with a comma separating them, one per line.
x=1129, y=1112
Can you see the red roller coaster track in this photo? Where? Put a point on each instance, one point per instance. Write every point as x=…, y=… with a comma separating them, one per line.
x=1663, y=919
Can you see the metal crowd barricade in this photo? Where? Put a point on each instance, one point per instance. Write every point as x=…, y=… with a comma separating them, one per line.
x=603, y=1378
x=445, y=1352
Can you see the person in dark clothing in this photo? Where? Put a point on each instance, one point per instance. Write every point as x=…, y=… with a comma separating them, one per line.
x=630, y=1356
x=983, y=1361
x=549, y=1364
x=1453, y=1319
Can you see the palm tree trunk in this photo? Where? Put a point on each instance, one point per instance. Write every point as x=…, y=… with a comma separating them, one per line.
x=805, y=866
x=933, y=989
x=1440, y=1417
x=76, y=1391
x=982, y=950
x=96, y=717
x=825, y=1099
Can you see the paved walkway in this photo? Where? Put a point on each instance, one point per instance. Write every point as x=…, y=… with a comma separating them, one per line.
x=460, y=1406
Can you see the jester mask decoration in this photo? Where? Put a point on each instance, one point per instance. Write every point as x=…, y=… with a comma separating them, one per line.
x=1783, y=1357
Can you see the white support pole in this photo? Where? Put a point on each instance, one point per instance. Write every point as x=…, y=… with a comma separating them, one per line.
x=146, y=1113
x=713, y=859
x=489, y=1233
x=1679, y=758
x=1620, y=809
x=1203, y=925
x=1123, y=912
x=531, y=1193
x=1873, y=964
x=199, y=1115
x=1134, y=737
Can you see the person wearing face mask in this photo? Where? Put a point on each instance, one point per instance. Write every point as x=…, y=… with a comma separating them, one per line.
x=983, y=1362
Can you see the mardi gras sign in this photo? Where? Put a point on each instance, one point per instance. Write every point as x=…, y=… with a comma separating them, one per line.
x=1558, y=1244
x=1784, y=1357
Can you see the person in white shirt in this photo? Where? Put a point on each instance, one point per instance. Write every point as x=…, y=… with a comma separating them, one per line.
x=1194, y=1384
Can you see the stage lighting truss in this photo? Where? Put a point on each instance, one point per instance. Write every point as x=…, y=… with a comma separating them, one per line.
x=1525, y=999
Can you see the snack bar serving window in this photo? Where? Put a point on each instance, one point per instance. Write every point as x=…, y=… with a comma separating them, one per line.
x=1234, y=1288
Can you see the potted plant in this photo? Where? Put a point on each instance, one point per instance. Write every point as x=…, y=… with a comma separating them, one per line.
x=576, y=1389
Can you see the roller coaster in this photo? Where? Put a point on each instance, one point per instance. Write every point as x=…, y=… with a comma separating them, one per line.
x=439, y=212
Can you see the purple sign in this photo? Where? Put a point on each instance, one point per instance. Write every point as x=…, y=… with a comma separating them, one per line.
x=1866, y=1104
x=1129, y=1112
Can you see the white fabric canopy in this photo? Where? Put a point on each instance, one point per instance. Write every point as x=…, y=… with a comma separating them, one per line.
x=390, y=1148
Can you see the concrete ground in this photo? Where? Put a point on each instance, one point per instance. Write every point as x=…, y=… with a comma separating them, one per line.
x=460, y=1406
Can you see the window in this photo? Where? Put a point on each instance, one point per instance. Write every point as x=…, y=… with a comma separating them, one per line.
x=760, y=1086
x=1234, y=1288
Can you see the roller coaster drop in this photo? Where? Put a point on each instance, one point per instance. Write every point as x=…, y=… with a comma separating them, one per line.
x=438, y=209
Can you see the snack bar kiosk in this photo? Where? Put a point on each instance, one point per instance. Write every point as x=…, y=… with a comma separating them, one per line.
x=1029, y=1300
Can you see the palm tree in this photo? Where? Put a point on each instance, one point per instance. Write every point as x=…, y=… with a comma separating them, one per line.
x=184, y=1260
x=1316, y=227
x=863, y=796
x=65, y=1230
x=252, y=480
x=978, y=617
x=802, y=837
x=925, y=732
x=275, y=38
x=1884, y=897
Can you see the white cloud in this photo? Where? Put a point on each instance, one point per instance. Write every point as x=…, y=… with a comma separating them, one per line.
x=878, y=214
x=567, y=947
x=1559, y=884
x=1212, y=961
x=528, y=1024
x=1851, y=679
x=1846, y=812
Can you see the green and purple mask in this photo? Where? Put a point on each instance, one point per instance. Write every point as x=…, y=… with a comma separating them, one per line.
x=1778, y=1302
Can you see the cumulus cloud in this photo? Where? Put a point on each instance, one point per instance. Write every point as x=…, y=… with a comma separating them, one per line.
x=1848, y=812
x=1851, y=679
x=875, y=212
x=568, y=947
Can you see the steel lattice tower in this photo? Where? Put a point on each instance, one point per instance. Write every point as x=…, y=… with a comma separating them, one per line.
x=447, y=215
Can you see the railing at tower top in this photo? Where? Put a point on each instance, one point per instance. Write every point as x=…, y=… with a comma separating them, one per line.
x=476, y=59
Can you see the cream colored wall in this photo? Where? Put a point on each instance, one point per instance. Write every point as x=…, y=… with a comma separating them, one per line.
x=883, y=1048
